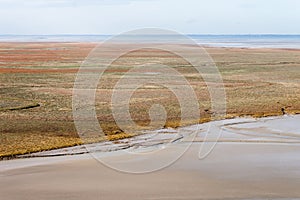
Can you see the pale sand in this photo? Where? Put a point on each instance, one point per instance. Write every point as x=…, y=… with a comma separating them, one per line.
x=256, y=159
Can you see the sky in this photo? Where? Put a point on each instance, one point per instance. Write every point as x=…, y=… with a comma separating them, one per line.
x=46, y=17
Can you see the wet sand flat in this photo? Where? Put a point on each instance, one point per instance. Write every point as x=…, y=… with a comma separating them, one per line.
x=259, y=164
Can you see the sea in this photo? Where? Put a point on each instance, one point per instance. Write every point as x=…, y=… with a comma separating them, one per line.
x=238, y=41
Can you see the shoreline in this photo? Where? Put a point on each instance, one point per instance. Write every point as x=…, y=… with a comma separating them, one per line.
x=205, y=46
x=117, y=145
x=240, y=170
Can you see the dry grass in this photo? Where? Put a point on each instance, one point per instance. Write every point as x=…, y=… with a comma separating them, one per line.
x=258, y=82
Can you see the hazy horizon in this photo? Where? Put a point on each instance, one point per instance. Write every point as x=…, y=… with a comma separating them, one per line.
x=188, y=34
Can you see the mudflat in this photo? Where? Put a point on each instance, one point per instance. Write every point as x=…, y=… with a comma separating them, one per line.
x=254, y=159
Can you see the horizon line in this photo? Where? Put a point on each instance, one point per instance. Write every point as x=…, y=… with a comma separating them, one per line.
x=189, y=34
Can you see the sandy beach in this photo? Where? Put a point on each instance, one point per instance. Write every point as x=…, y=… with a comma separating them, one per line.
x=254, y=159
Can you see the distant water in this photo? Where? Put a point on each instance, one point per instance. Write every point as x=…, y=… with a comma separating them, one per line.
x=247, y=41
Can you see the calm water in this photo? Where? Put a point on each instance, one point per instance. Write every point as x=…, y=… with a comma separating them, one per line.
x=248, y=41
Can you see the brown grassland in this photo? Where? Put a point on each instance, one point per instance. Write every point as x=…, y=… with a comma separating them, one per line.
x=36, y=83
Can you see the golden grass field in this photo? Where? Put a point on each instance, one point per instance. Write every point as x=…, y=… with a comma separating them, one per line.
x=36, y=83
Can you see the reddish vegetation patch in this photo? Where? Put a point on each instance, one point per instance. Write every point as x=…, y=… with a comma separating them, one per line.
x=43, y=54
x=36, y=71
